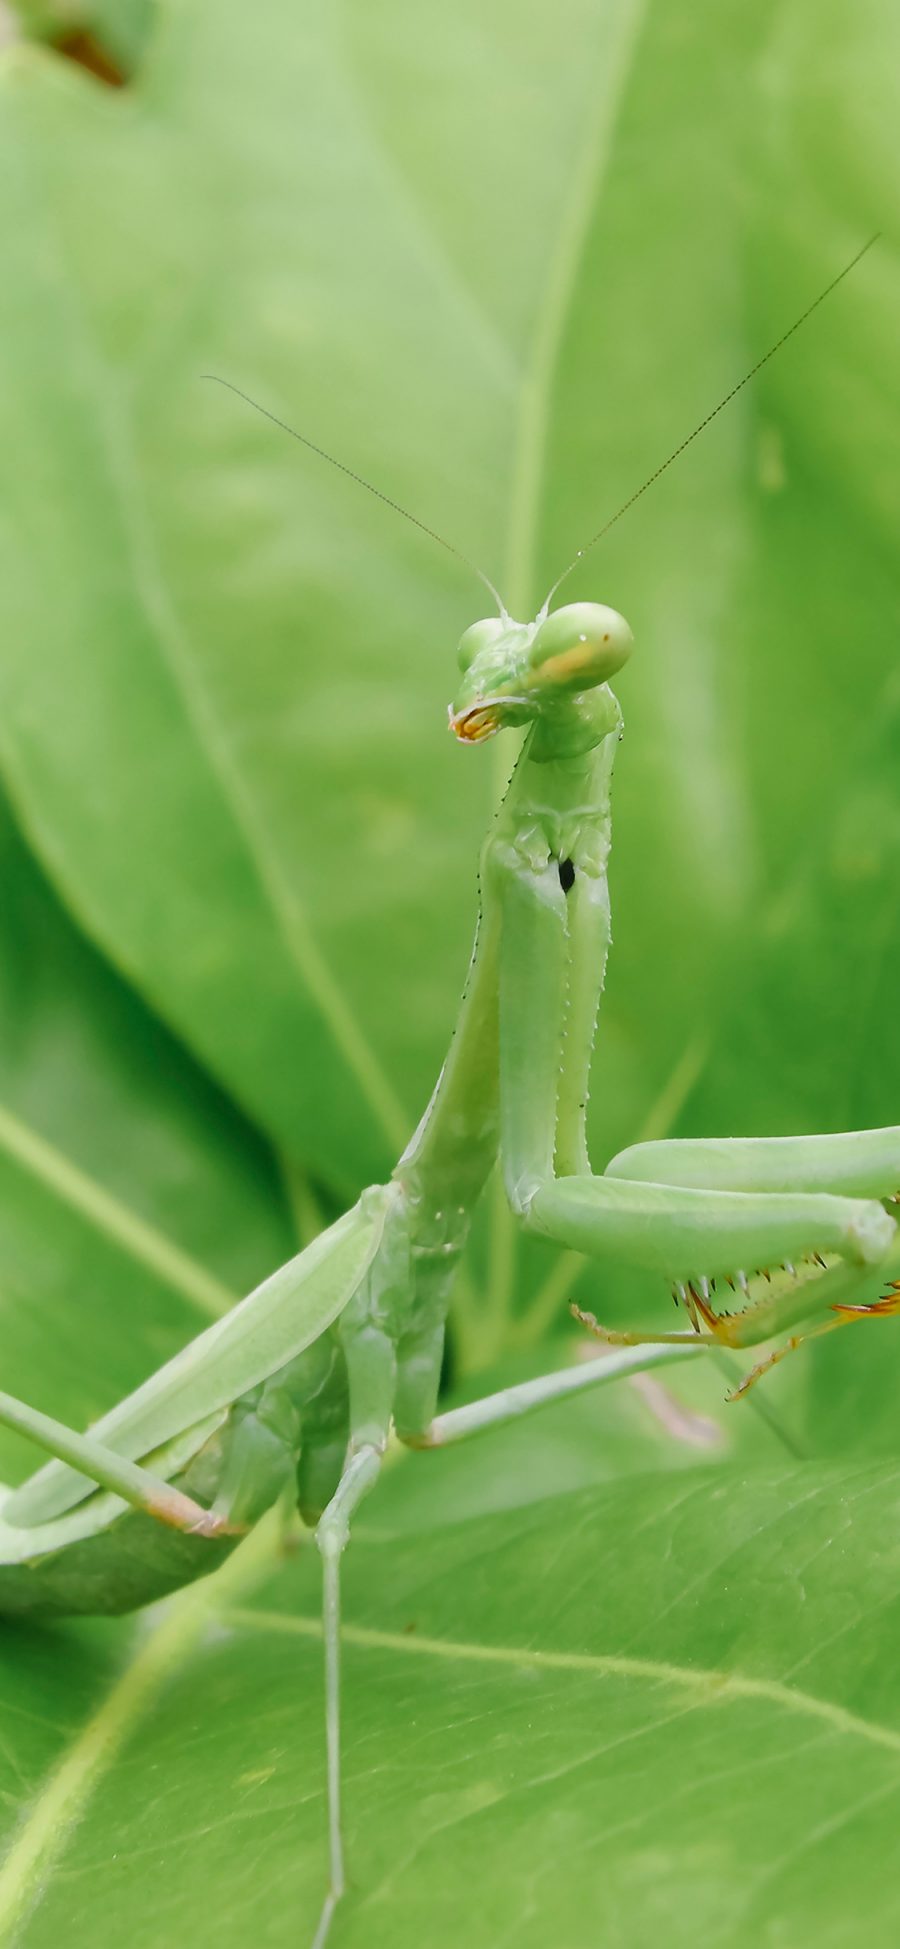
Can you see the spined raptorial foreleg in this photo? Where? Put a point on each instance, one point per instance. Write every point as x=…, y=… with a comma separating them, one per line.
x=855, y=1164
x=685, y=1232
x=826, y=1294
x=787, y=1287
x=849, y=1310
x=689, y=1235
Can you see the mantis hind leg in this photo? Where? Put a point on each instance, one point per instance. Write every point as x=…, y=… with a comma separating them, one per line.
x=137, y=1486
x=332, y=1536
x=367, y=1331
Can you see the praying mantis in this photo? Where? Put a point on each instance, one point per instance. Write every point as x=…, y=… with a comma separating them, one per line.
x=299, y=1389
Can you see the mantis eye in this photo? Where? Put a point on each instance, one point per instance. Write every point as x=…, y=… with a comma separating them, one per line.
x=579, y=646
x=478, y=637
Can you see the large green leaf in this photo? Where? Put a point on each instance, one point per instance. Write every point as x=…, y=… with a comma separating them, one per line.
x=625, y=1674
x=106, y=36
x=134, y=1201
x=249, y=660
x=656, y=1710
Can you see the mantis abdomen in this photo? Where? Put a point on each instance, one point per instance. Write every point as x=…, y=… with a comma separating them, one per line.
x=288, y=1434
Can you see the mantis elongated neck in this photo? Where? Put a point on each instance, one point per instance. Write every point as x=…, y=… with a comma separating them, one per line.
x=579, y=835
x=555, y=817
x=547, y=869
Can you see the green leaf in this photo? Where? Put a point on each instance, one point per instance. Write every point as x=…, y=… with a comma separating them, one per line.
x=134, y=1202
x=601, y=1679
x=254, y=654
x=671, y=1705
x=109, y=35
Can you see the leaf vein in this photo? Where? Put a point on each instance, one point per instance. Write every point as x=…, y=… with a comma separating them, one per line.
x=116, y=1221
x=714, y=1687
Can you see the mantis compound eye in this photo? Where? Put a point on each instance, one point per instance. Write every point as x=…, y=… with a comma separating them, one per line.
x=579, y=646
x=478, y=637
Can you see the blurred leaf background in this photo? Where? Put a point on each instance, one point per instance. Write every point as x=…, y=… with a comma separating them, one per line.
x=499, y=262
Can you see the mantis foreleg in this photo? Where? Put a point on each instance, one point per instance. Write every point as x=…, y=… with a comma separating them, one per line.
x=742, y=1210
x=682, y=1232
x=855, y=1164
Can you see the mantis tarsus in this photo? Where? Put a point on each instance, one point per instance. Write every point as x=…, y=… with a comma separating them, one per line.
x=303, y=1383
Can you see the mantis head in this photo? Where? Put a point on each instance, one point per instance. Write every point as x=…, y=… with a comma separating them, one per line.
x=514, y=673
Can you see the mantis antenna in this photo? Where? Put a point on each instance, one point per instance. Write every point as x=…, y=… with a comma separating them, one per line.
x=361, y=482
x=709, y=417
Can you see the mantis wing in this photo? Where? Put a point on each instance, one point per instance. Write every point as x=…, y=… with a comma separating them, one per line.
x=267, y=1329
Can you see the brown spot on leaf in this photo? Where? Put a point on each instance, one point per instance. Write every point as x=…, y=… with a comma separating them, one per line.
x=83, y=47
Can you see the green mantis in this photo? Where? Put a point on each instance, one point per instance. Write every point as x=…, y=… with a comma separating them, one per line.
x=299, y=1389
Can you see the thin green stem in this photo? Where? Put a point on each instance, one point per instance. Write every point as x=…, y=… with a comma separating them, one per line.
x=665, y=1110
x=305, y=1209
x=466, y=1312
x=501, y=1275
